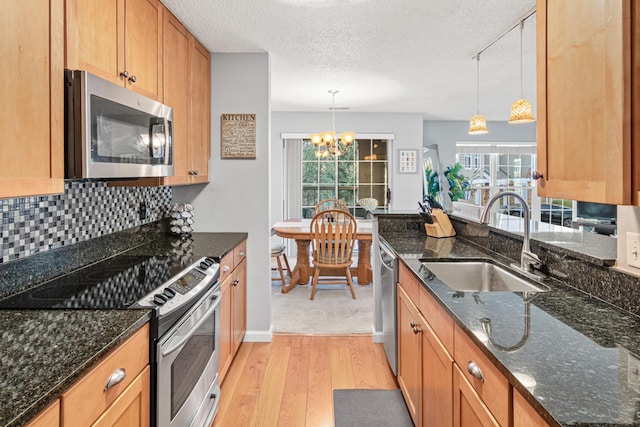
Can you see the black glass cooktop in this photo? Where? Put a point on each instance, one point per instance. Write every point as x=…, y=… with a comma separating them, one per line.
x=115, y=283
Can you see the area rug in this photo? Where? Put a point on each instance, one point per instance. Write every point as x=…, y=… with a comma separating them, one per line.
x=333, y=311
x=380, y=408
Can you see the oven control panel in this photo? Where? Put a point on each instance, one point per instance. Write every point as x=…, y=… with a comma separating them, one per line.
x=182, y=287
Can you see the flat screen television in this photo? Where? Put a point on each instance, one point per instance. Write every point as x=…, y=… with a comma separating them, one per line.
x=599, y=211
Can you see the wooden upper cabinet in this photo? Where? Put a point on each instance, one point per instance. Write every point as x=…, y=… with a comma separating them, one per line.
x=187, y=76
x=117, y=38
x=200, y=117
x=32, y=116
x=176, y=90
x=584, y=100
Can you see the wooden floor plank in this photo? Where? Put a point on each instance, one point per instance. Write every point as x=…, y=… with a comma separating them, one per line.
x=272, y=388
x=290, y=381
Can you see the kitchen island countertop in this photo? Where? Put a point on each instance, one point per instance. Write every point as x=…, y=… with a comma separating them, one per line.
x=574, y=358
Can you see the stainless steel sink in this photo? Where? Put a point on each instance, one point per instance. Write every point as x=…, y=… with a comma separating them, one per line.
x=478, y=276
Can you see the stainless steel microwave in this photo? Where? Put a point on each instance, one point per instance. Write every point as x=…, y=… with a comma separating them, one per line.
x=112, y=132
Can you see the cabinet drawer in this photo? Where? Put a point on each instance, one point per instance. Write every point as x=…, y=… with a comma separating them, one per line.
x=494, y=388
x=226, y=266
x=439, y=320
x=410, y=283
x=239, y=253
x=87, y=399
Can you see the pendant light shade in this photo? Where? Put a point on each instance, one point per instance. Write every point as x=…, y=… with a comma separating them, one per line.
x=521, y=110
x=478, y=124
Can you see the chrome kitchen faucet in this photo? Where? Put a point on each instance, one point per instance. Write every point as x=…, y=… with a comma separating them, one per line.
x=528, y=260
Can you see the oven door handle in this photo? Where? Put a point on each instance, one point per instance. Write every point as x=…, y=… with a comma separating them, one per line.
x=173, y=347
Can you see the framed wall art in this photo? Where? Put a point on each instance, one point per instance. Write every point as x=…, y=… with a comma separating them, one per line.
x=408, y=161
x=238, y=139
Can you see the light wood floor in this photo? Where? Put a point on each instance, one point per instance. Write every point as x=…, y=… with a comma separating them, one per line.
x=289, y=382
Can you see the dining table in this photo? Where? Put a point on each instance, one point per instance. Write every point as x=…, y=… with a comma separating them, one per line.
x=300, y=231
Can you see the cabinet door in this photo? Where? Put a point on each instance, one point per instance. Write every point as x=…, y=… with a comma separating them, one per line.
x=225, y=326
x=95, y=36
x=49, y=417
x=32, y=118
x=143, y=47
x=409, y=355
x=239, y=310
x=584, y=99
x=437, y=381
x=200, y=116
x=523, y=414
x=132, y=407
x=175, y=88
x=468, y=408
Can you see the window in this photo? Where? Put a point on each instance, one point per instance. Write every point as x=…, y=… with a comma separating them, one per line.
x=494, y=168
x=361, y=172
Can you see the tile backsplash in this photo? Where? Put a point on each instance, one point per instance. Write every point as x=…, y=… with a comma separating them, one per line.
x=85, y=210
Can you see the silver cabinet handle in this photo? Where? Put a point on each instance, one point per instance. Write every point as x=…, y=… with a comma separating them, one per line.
x=241, y=253
x=116, y=378
x=413, y=324
x=474, y=370
x=132, y=79
x=236, y=282
x=124, y=74
x=226, y=268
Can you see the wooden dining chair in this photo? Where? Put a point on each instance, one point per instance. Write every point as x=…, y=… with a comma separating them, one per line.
x=333, y=233
x=325, y=204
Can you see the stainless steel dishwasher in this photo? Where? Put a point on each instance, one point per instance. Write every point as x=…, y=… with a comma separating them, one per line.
x=389, y=280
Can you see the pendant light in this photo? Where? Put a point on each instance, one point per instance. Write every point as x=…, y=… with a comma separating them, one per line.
x=478, y=124
x=521, y=110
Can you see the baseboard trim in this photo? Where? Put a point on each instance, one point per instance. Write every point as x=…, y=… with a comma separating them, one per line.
x=378, y=336
x=259, y=336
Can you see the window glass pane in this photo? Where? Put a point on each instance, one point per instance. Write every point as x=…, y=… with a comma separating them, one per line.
x=309, y=172
x=308, y=150
x=364, y=191
x=348, y=195
x=379, y=193
x=379, y=149
x=364, y=149
x=308, y=212
x=327, y=172
x=364, y=172
x=346, y=172
x=309, y=196
x=379, y=172
x=327, y=193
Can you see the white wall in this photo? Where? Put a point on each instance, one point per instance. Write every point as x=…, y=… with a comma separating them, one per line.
x=237, y=196
x=406, y=189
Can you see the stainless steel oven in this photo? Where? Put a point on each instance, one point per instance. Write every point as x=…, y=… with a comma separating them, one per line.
x=188, y=359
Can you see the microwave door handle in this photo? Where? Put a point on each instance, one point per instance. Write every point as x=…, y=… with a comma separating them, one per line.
x=155, y=121
x=167, y=141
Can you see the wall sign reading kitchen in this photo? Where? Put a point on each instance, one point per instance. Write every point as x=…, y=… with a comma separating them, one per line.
x=238, y=136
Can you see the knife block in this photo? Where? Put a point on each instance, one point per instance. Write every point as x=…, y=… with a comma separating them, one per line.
x=441, y=226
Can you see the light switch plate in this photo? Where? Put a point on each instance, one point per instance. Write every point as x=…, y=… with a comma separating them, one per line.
x=633, y=249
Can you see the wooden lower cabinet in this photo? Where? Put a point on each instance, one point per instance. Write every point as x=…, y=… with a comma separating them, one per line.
x=523, y=414
x=131, y=408
x=239, y=311
x=126, y=403
x=437, y=381
x=468, y=408
x=409, y=355
x=233, y=307
x=49, y=417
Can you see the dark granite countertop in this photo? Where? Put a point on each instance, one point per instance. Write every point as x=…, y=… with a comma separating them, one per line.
x=43, y=352
x=582, y=354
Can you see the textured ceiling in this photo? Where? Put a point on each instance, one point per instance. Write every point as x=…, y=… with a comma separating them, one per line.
x=382, y=55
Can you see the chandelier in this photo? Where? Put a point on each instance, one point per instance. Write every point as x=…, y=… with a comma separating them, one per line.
x=326, y=142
